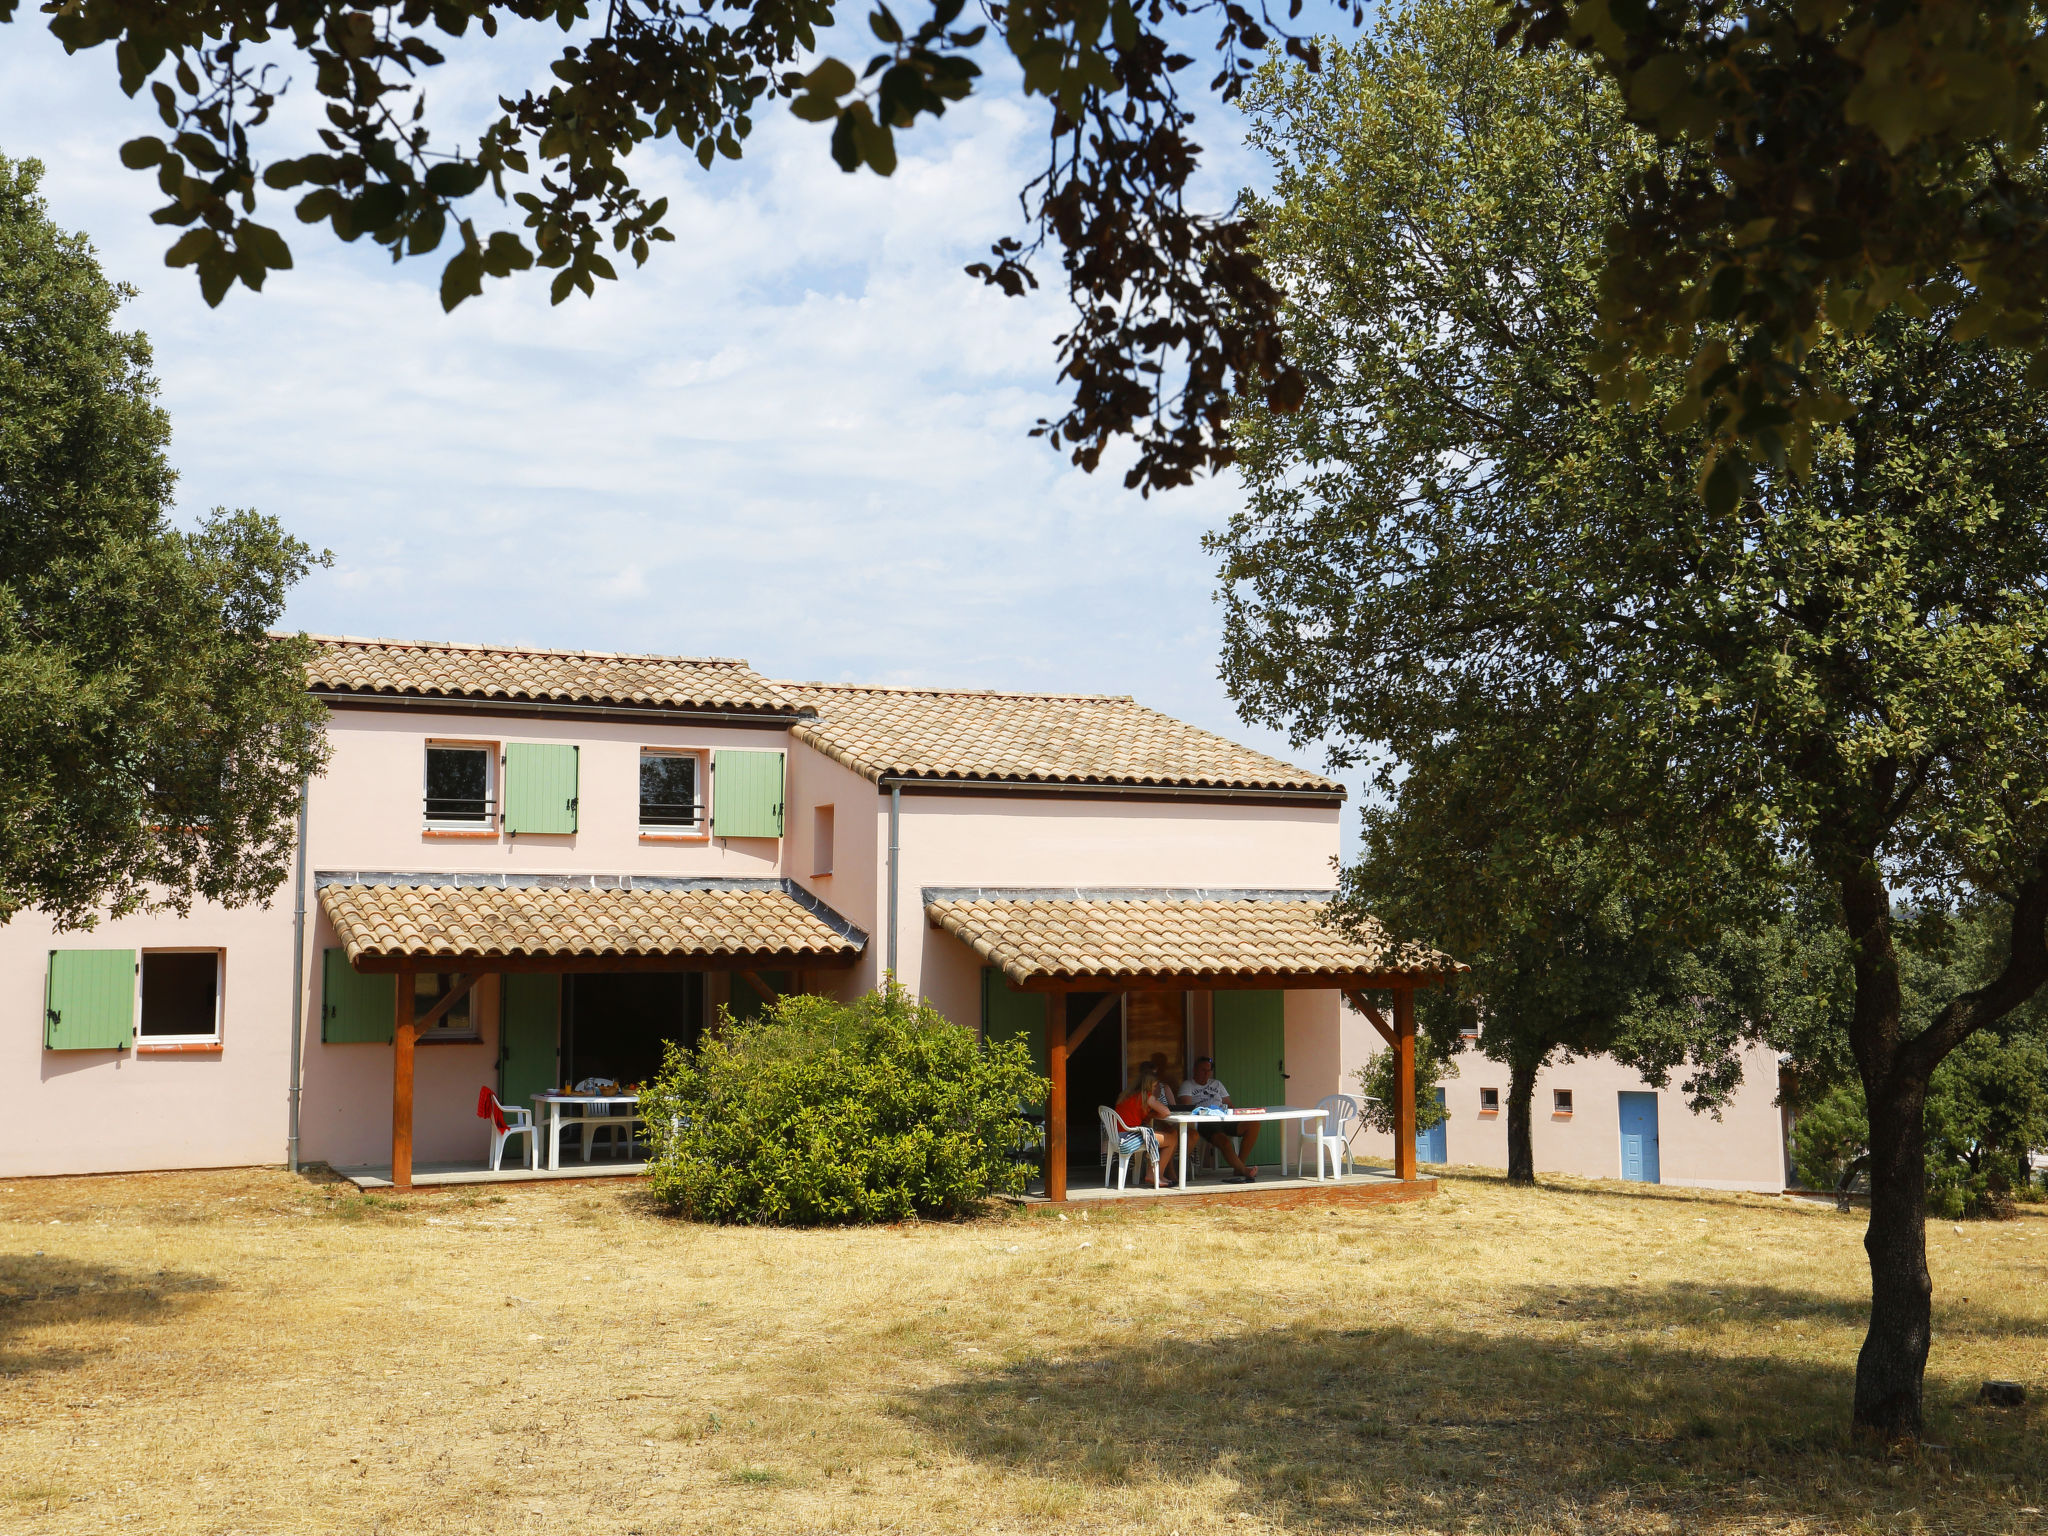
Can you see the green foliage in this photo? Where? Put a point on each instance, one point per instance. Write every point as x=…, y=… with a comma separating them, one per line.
x=1830, y=163
x=1846, y=667
x=153, y=735
x=1379, y=1090
x=819, y=1111
x=1171, y=314
x=1987, y=1107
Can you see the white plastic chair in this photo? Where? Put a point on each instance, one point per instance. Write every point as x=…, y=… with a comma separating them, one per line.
x=1340, y=1120
x=605, y=1117
x=518, y=1122
x=1116, y=1137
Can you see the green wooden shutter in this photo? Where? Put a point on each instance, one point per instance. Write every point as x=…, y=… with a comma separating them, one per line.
x=355, y=1009
x=1250, y=1051
x=540, y=786
x=1006, y=1012
x=89, y=1000
x=530, y=1035
x=746, y=794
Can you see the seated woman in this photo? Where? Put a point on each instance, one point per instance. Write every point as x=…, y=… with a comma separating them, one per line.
x=1148, y=1103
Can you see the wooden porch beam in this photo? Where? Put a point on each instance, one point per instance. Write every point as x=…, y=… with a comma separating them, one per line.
x=439, y=1011
x=404, y=1033
x=1357, y=1000
x=1404, y=1083
x=1095, y=1016
x=566, y=965
x=1265, y=981
x=768, y=994
x=1056, y=1101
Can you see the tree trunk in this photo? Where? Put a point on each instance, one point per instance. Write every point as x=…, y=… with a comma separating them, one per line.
x=1893, y=1362
x=1892, y=1365
x=1521, y=1104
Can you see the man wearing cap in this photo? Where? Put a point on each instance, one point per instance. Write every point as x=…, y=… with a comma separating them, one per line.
x=1204, y=1088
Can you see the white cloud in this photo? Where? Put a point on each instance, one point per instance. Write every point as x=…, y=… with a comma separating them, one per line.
x=798, y=435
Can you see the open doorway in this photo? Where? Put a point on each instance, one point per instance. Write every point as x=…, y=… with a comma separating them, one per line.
x=615, y=1023
x=1095, y=1075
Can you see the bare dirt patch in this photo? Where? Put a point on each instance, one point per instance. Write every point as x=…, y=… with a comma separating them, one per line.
x=248, y=1352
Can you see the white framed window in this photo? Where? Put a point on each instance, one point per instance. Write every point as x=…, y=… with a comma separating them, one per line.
x=672, y=798
x=461, y=789
x=821, y=840
x=1560, y=1101
x=181, y=996
x=459, y=1022
x=1489, y=1101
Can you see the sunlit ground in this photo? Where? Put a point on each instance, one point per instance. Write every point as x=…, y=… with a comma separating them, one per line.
x=249, y=1352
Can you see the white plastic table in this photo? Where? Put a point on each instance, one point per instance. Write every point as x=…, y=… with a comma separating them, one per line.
x=1190, y=1122
x=553, y=1102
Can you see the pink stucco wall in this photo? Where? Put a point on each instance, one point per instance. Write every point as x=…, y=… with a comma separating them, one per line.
x=109, y=1111
x=1741, y=1149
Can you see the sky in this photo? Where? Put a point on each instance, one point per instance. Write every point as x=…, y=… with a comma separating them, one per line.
x=798, y=435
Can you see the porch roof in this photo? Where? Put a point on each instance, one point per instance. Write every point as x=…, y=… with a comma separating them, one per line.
x=1060, y=943
x=564, y=925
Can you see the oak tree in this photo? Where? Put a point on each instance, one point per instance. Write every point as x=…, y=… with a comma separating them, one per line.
x=1848, y=668
x=153, y=733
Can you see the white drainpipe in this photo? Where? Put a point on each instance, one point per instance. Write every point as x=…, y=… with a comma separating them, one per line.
x=299, y=978
x=895, y=847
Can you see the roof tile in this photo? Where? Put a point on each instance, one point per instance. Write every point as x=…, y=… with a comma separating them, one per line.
x=1031, y=738
x=422, y=669
x=494, y=922
x=1170, y=939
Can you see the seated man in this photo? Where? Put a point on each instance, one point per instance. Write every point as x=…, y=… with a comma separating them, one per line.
x=1204, y=1088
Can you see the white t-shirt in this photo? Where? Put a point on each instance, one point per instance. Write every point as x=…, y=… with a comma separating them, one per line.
x=1211, y=1092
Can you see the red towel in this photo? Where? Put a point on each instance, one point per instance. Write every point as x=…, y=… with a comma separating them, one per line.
x=487, y=1107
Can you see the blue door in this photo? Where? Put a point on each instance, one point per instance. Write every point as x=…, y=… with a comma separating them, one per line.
x=1430, y=1144
x=1639, y=1138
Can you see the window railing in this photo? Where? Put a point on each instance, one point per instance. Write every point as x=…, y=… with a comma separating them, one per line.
x=443, y=810
x=671, y=813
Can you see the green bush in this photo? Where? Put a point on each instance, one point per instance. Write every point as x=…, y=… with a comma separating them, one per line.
x=827, y=1112
x=1378, y=1078
x=1986, y=1105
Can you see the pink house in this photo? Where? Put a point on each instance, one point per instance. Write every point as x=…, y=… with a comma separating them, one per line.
x=525, y=868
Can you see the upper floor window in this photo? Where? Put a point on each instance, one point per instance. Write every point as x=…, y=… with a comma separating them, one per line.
x=821, y=840
x=1489, y=1101
x=671, y=791
x=1561, y=1101
x=459, y=780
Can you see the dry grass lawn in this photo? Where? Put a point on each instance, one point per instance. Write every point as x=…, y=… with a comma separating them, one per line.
x=248, y=1352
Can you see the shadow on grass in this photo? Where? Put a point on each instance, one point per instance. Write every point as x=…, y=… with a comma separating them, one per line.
x=45, y=1290
x=1453, y=1426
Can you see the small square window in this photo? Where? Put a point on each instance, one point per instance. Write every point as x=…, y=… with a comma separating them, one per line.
x=821, y=840
x=459, y=1022
x=671, y=791
x=1561, y=1101
x=180, y=997
x=459, y=786
x=1489, y=1101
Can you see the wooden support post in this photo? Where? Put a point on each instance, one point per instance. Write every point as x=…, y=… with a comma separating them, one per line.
x=1404, y=1083
x=1056, y=1101
x=403, y=1034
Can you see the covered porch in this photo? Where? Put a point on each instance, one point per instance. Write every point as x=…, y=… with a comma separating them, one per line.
x=545, y=939
x=1062, y=967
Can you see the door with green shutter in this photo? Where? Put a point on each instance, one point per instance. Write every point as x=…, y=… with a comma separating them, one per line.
x=1007, y=1014
x=540, y=786
x=1251, y=1058
x=89, y=1000
x=355, y=1009
x=529, y=1060
x=746, y=794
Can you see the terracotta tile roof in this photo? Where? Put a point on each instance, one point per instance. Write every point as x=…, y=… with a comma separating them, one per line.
x=484, y=922
x=433, y=670
x=1055, y=939
x=1028, y=737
